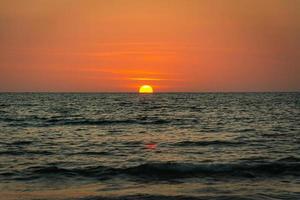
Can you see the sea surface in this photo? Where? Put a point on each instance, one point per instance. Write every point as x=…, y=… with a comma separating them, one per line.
x=154, y=147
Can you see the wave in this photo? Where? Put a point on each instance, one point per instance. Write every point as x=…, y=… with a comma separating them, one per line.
x=170, y=170
x=244, y=130
x=180, y=197
x=104, y=122
x=201, y=197
x=289, y=159
x=174, y=170
x=207, y=143
x=92, y=153
x=27, y=152
x=21, y=143
x=79, y=122
x=38, y=121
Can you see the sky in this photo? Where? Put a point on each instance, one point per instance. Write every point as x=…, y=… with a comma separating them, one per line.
x=173, y=45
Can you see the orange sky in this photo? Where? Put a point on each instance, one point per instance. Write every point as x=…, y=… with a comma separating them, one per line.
x=174, y=45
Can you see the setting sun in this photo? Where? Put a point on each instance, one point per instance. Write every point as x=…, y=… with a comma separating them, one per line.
x=146, y=89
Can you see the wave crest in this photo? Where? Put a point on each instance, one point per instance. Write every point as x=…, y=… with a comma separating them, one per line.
x=169, y=170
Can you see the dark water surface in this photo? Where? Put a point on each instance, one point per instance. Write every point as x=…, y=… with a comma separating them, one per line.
x=160, y=146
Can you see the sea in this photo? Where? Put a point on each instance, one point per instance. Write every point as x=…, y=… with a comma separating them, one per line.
x=162, y=146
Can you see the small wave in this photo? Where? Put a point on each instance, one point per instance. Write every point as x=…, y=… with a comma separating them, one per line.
x=289, y=159
x=171, y=197
x=192, y=197
x=12, y=153
x=20, y=143
x=207, y=143
x=46, y=171
x=104, y=122
x=86, y=122
x=37, y=121
x=80, y=122
x=245, y=130
x=22, y=153
x=92, y=153
x=51, y=170
x=253, y=158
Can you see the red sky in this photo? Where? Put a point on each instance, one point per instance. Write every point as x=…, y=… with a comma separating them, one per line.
x=173, y=45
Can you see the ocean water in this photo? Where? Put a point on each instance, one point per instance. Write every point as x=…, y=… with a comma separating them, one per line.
x=159, y=146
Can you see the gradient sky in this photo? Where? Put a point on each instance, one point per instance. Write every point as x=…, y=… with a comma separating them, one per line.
x=174, y=45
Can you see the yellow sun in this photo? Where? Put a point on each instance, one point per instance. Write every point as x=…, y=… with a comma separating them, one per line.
x=146, y=89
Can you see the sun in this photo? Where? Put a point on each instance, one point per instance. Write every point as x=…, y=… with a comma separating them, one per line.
x=146, y=89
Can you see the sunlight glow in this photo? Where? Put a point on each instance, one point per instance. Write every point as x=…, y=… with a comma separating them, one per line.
x=146, y=89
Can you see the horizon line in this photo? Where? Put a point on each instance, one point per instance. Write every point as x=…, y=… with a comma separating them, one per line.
x=118, y=92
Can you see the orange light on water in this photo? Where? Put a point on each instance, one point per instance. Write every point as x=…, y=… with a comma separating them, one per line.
x=151, y=146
